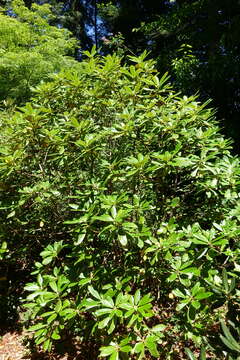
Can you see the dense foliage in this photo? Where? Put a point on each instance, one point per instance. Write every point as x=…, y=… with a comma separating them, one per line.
x=131, y=195
x=209, y=27
x=31, y=50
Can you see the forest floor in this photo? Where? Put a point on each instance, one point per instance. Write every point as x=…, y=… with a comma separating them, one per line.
x=15, y=345
x=12, y=347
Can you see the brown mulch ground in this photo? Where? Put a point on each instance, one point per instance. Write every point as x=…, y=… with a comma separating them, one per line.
x=11, y=347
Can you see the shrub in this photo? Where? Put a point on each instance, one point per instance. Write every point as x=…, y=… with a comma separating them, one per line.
x=131, y=195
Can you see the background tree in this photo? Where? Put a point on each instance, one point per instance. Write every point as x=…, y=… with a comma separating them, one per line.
x=31, y=50
x=196, y=41
x=78, y=16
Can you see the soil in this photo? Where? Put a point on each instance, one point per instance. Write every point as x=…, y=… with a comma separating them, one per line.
x=12, y=347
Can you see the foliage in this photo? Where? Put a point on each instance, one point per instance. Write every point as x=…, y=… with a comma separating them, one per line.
x=131, y=197
x=116, y=44
x=228, y=339
x=31, y=49
x=185, y=69
x=211, y=28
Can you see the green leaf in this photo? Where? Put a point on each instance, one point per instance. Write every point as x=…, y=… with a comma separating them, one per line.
x=47, y=345
x=199, y=239
x=40, y=340
x=229, y=338
x=180, y=306
x=94, y=293
x=103, y=311
x=123, y=240
x=178, y=293
x=203, y=295
x=232, y=285
x=47, y=260
x=119, y=313
x=202, y=354
x=137, y=297
x=139, y=347
x=126, y=348
x=158, y=328
x=126, y=306
x=107, y=350
x=172, y=277
x=84, y=281
x=47, y=253
x=196, y=289
x=31, y=287
x=80, y=239
x=191, y=270
x=53, y=286
x=68, y=313
x=229, y=344
x=102, y=324
x=74, y=206
x=46, y=314
x=190, y=354
x=196, y=304
x=225, y=280
x=129, y=314
x=11, y=214
x=52, y=318
x=145, y=300
x=114, y=356
x=105, y=218
x=152, y=346
x=58, y=306
x=40, y=280
x=40, y=332
x=89, y=304
x=125, y=341
x=111, y=328
x=55, y=336
x=37, y=327
x=108, y=302
x=113, y=211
